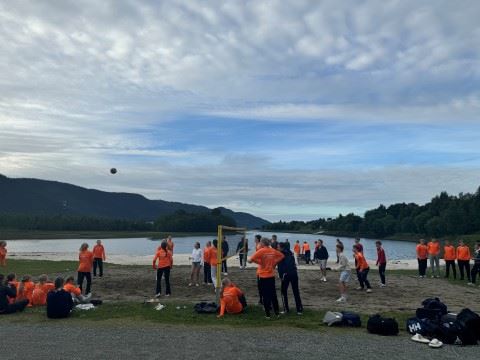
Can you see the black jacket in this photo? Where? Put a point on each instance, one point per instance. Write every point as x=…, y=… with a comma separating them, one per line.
x=225, y=248
x=5, y=292
x=59, y=304
x=321, y=253
x=287, y=265
x=242, y=248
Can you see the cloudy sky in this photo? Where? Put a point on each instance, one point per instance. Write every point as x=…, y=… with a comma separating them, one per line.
x=285, y=109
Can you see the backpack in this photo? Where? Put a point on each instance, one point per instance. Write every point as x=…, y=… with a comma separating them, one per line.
x=447, y=333
x=206, y=308
x=351, y=319
x=468, y=324
x=382, y=326
x=332, y=318
x=431, y=314
x=435, y=304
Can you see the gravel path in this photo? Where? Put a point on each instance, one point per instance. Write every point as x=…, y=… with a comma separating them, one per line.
x=58, y=340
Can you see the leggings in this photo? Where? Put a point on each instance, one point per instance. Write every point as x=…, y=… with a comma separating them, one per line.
x=450, y=264
x=422, y=267
x=381, y=272
x=98, y=262
x=84, y=275
x=243, y=260
x=286, y=281
x=362, y=278
x=260, y=296
x=464, y=266
x=163, y=272
x=269, y=294
x=207, y=275
x=475, y=271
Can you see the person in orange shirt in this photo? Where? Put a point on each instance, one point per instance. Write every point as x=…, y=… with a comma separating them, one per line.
x=296, y=251
x=165, y=263
x=207, y=275
x=84, y=271
x=3, y=253
x=463, y=260
x=75, y=291
x=422, y=258
x=433, y=248
x=306, y=252
x=25, y=289
x=267, y=259
x=39, y=297
x=362, y=269
x=212, y=260
x=449, y=255
x=232, y=299
x=98, y=258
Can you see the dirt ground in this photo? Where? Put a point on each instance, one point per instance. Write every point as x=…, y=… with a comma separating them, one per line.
x=403, y=292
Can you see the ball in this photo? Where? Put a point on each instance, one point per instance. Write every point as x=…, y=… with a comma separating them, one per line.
x=113, y=171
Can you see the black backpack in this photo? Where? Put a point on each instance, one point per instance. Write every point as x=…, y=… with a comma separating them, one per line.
x=447, y=333
x=351, y=319
x=206, y=308
x=435, y=304
x=468, y=324
x=431, y=314
x=382, y=326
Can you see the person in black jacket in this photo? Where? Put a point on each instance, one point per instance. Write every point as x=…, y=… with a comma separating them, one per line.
x=322, y=256
x=287, y=270
x=225, y=249
x=59, y=301
x=6, y=291
x=242, y=251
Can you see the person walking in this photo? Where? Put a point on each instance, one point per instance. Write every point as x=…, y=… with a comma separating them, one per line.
x=84, y=271
x=381, y=262
x=165, y=263
x=449, y=255
x=98, y=258
x=321, y=254
x=362, y=268
x=422, y=258
x=287, y=270
x=463, y=260
x=267, y=258
x=344, y=268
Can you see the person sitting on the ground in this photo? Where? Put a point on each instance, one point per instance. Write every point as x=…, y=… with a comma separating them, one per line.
x=12, y=281
x=75, y=291
x=39, y=297
x=59, y=301
x=9, y=291
x=232, y=299
x=25, y=289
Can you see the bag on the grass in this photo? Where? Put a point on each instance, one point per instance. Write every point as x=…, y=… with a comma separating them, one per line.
x=382, y=326
x=432, y=314
x=206, y=308
x=414, y=326
x=449, y=318
x=447, y=333
x=332, y=318
x=96, y=302
x=468, y=324
x=424, y=327
x=351, y=319
x=435, y=304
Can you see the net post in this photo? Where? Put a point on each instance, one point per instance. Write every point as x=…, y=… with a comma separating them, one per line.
x=219, y=262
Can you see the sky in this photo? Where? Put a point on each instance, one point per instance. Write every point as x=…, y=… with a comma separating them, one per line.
x=284, y=109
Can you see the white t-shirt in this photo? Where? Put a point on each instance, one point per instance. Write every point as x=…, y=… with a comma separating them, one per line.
x=197, y=255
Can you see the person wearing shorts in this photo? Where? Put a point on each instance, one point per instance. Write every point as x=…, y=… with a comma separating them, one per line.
x=344, y=268
x=321, y=254
x=196, y=258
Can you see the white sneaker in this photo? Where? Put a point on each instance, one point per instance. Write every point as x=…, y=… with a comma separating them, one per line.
x=359, y=288
x=190, y=284
x=324, y=279
x=341, y=299
x=419, y=338
x=158, y=295
x=470, y=284
x=383, y=285
x=369, y=291
x=225, y=274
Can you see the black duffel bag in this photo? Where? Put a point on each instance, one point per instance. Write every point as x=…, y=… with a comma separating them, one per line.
x=206, y=308
x=468, y=324
x=382, y=326
x=431, y=314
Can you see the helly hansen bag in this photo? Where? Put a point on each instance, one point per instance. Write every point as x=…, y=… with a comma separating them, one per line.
x=431, y=314
x=424, y=327
x=382, y=326
x=447, y=333
x=468, y=324
x=351, y=319
x=206, y=308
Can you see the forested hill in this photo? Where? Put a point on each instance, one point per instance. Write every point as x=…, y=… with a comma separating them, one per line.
x=444, y=215
x=51, y=198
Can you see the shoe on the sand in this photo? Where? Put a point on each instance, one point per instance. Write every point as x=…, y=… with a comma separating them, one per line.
x=341, y=299
x=158, y=295
x=369, y=291
x=420, y=339
x=435, y=343
x=359, y=288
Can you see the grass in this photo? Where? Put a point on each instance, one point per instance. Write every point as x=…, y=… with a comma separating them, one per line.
x=38, y=267
x=41, y=234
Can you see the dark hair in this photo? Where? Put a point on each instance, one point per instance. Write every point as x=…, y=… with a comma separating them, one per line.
x=378, y=242
x=163, y=245
x=70, y=278
x=215, y=243
x=11, y=277
x=357, y=247
x=59, y=282
x=258, y=237
x=340, y=246
x=320, y=241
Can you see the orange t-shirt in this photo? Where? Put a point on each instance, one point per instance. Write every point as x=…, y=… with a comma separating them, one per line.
x=212, y=256
x=433, y=248
x=72, y=289
x=422, y=251
x=86, y=261
x=99, y=252
x=449, y=252
x=296, y=249
x=25, y=291
x=362, y=263
x=230, y=302
x=40, y=292
x=205, y=254
x=267, y=258
x=463, y=253
x=306, y=247
x=165, y=259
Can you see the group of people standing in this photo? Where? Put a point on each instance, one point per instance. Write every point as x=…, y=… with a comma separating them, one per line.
x=431, y=252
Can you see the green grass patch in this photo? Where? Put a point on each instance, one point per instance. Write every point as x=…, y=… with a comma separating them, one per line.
x=38, y=267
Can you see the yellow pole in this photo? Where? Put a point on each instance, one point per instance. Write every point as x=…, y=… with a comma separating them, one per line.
x=219, y=262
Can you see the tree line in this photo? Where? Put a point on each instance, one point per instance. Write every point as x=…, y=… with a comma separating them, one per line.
x=444, y=215
x=180, y=221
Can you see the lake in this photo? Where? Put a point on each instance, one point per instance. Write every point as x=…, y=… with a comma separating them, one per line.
x=396, y=250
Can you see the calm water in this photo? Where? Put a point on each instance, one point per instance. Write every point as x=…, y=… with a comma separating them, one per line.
x=395, y=250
